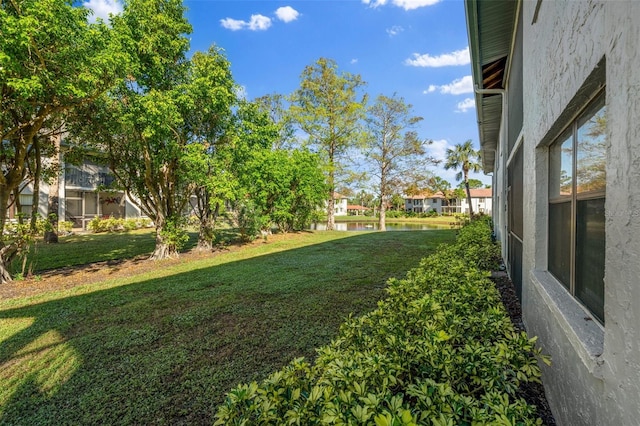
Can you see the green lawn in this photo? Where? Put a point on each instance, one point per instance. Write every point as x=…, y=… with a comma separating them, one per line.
x=163, y=347
x=80, y=249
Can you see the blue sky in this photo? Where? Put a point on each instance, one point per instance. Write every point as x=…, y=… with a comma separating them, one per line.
x=417, y=49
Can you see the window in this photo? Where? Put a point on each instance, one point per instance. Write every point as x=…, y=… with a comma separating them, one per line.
x=576, y=207
x=26, y=204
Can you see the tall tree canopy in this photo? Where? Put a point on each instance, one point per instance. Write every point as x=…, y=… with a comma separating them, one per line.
x=395, y=154
x=146, y=124
x=209, y=128
x=330, y=109
x=464, y=158
x=51, y=61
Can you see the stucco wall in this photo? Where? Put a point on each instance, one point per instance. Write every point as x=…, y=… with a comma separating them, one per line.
x=595, y=375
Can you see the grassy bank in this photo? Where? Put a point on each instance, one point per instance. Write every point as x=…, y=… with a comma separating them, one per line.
x=163, y=347
x=80, y=249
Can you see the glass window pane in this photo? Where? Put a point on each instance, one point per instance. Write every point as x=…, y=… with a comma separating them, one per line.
x=591, y=148
x=90, y=203
x=74, y=207
x=73, y=194
x=560, y=242
x=590, y=246
x=26, y=199
x=561, y=167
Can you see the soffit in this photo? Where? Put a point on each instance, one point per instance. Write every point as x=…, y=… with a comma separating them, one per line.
x=490, y=25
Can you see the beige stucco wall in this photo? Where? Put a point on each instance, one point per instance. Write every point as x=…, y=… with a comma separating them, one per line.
x=595, y=375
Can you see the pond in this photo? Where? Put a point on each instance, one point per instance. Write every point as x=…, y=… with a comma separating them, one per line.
x=373, y=226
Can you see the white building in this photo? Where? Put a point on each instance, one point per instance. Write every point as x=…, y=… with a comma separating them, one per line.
x=340, y=207
x=424, y=203
x=81, y=196
x=481, y=201
x=558, y=105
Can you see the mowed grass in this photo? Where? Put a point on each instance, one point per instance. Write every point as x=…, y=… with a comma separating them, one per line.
x=163, y=347
x=80, y=249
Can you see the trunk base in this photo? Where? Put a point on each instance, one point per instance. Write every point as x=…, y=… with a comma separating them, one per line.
x=163, y=251
x=204, y=245
x=5, y=276
x=50, y=237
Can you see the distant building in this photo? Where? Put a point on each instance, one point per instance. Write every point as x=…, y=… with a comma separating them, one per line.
x=424, y=202
x=481, y=200
x=340, y=207
x=81, y=194
x=356, y=210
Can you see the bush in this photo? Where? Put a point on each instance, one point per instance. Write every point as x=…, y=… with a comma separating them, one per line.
x=65, y=226
x=112, y=224
x=394, y=214
x=440, y=349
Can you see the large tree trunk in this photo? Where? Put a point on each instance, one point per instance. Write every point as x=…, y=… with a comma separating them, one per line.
x=206, y=234
x=382, y=222
x=163, y=249
x=51, y=235
x=331, y=213
x=331, y=208
x=5, y=248
x=5, y=276
x=466, y=185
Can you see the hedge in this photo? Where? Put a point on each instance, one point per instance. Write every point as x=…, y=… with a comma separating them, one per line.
x=439, y=350
x=112, y=224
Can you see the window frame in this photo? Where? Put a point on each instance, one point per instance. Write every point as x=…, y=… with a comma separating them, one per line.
x=571, y=131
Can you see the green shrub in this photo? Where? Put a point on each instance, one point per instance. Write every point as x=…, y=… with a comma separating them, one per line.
x=112, y=224
x=440, y=349
x=65, y=226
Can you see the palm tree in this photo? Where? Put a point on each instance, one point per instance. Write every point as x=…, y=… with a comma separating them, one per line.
x=463, y=157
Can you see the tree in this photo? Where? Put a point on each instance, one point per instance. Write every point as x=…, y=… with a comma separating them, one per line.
x=473, y=184
x=143, y=125
x=397, y=202
x=328, y=107
x=438, y=184
x=210, y=127
x=285, y=186
x=463, y=157
x=51, y=61
x=274, y=106
x=394, y=152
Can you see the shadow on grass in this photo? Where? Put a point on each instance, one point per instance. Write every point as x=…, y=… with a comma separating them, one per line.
x=83, y=251
x=164, y=351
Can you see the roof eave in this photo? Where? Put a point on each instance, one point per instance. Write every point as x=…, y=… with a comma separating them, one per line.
x=471, y=14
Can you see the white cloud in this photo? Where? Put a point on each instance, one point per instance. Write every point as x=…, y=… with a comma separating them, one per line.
x=102, y=9
x=257, y=23
x=405, y=4
x=287, y=14
x=432, y=88
x=468, y=103
x=233, y=24
x=456, y=87
x=458, y=57
x=354, y=61
x=395, y=30
x=438, y=149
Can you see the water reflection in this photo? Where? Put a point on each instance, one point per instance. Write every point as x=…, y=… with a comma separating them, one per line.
x=373, y=226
